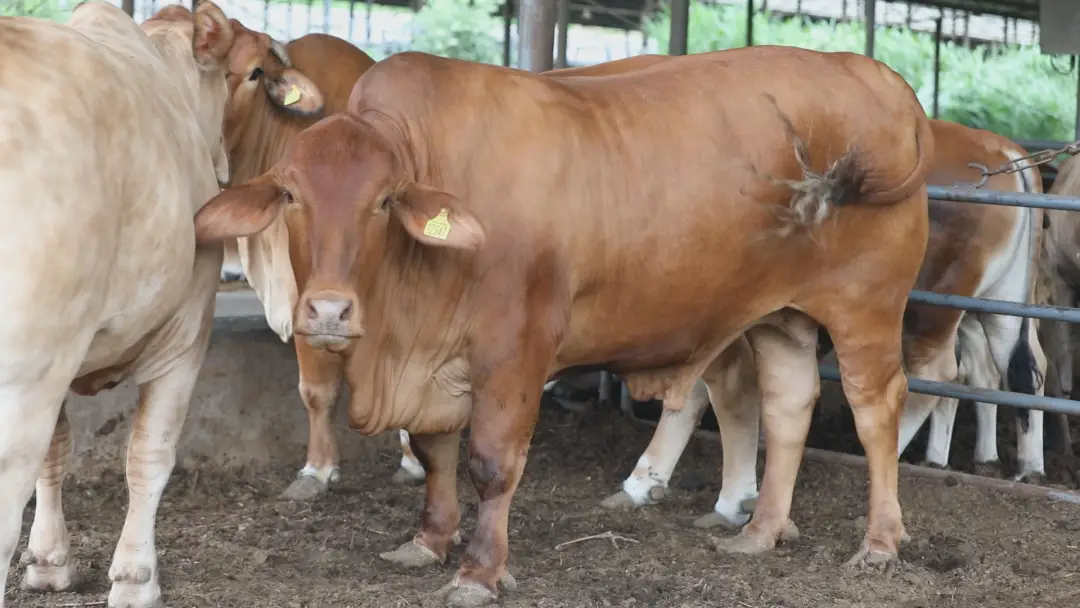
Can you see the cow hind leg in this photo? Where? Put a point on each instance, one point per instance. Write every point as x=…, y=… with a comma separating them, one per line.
x=151, y=455
x=1014, y=345
x=47, y=556
x=32, y=410
x=868, y=349
x=648, y=482
x=788, y=380
x=975, y=368
x=732, y=382
x=321, y=375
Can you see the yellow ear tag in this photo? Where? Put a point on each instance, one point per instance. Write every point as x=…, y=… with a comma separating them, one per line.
x=293, y=96
x=438, y=227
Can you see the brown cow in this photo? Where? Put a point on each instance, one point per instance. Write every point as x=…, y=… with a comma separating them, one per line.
x=997, y=247
x=735, y=172
x=1063, y=253
x=260, y=121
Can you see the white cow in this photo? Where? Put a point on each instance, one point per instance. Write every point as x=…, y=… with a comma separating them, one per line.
x=110, y=141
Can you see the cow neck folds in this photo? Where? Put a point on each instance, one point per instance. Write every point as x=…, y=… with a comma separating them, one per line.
x=413, y=355
x=256, y=139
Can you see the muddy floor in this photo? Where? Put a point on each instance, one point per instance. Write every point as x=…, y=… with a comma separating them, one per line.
x=224, y=541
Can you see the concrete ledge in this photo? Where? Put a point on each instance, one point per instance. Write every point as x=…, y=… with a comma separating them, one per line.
x=246, y=411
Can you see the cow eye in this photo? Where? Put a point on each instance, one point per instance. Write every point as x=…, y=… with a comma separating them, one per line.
x=385, y=204
x=289, y=198
x=255, y=73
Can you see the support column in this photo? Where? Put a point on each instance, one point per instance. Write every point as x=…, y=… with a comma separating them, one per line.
x=562, y=19
x=937, y=68
x=870, y=16
x=680, y=25
x=536, y=35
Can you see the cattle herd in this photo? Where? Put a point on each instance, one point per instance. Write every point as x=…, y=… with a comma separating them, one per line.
x=450, y=237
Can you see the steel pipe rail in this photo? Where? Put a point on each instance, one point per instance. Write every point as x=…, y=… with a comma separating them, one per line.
x=996, y=307
x=985, y=395
x=966, y=194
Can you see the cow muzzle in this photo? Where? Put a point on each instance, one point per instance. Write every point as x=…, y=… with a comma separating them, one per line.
x=329, y=320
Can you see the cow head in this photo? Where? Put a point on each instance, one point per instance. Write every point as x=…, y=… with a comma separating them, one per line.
x=353, y=192
x=260, y=72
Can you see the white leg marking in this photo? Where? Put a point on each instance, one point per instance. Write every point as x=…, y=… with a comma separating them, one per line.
x=409, y=463
x=656, y=464
x=737, y=404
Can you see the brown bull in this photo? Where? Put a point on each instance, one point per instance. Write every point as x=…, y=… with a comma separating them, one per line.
x=647, y=220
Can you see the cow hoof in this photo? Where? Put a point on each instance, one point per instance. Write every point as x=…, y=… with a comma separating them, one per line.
x=304, y=487
x=988, y=469
x=867, y=558
x=403, y=477
x=55, y=573
x=620, y=501
x=412, y=554
x=748, y=504
x=1030, y=473
x=714, y=520
x=933, y=465
x=130, y=595
x=468, y=595
x=747, y=543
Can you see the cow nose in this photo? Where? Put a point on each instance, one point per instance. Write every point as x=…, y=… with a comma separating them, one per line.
x=329, y=309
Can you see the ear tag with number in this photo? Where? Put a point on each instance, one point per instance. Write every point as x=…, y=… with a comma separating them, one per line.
x=438, y=227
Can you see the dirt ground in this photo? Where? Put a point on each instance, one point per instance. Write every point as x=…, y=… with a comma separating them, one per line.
x=224, y=541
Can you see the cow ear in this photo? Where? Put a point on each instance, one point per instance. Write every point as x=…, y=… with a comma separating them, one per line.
x=438, y=218
x=295, y=93
x=238, y=212
x=213, y=35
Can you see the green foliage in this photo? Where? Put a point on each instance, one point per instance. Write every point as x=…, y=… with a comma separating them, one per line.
x=462, y=29
x=42, y=9
x=1015, y=92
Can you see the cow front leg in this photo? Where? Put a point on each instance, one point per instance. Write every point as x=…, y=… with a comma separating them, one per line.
x=151, y=455
x=437, y=454
x=321, y=374
x=32, y=409
x=47, y=556
x=503, y=419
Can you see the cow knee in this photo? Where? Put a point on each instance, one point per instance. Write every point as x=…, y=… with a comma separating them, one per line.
x=489, y=470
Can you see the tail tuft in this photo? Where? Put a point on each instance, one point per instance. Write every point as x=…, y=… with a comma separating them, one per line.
x=1023, y=375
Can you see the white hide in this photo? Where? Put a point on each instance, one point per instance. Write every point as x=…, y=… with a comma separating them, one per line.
x=108, y=141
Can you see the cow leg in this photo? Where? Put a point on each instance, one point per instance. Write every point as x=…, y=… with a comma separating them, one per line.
x=788, y=379
x=151, y=454
x=1024, y=367
x=733, y=391
x=930, y=354
x=47, y=556
x=506, y=405
x=32, y=410
x=410, y=470
x=439, y=521
x=321, y=375
x=648, y=482
x=868, y=351
x=975, y=369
